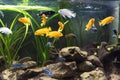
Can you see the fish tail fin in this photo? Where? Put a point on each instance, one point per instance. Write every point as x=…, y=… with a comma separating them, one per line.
x=74, y=14
x=86, y=29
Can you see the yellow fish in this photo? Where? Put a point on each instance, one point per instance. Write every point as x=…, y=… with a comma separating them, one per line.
x=118, y=36
x=90, y=24
x=42, y=31
x=61, y=26
x=24, y=20
x=106, y=20
x=44, y=20
x=54, y=34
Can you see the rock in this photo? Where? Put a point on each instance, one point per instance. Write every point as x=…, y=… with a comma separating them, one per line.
x=61, y=70
x=30, y=73
x=103, y=52
x=9, y=75
x=108, y=58
x=29, y=64
x=12, y=75
x=42, y=78
x=96, y=74
x=19, y=73
x=114, y=77
x=95, y=61
x=91, y=48
x=2, y=64
x=86, y=66
x=25, y=59
x=73, y=54
x=58, y=70
x=115, y=73
x=48, y=62
x=16, y=72
x=72, y=65
x=26, y=65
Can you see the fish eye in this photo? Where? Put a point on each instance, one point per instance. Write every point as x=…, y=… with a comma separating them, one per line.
x=112, y=18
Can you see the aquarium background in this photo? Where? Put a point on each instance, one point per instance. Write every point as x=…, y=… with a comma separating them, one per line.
x=84, y=10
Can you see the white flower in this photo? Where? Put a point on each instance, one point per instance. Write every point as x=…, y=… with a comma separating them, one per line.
x=5, y=30
x=66, y=12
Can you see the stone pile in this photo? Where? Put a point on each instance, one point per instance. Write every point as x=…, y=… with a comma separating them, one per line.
x=79, y=64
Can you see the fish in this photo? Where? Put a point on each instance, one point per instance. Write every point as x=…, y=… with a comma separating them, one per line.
x=118, y=36
x=5, y=30
x=44, y=20
x=61, y=26
x=42, y=31
x=88, y=7
x=24, y=20
x=94, y=29
x=67, y=13
x=47, y=13
x=114, y=36
x=61, y=59
x=47, y=72
x=70, y=35
x=106, y=20
x=17, y=65
x=54, y=34
x=49, y=44
x=115, y=33
x=90, y=24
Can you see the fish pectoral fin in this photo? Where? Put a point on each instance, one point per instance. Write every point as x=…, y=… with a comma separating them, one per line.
x=64, y=16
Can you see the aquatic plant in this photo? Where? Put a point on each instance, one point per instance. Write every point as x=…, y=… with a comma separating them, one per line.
x=40, y=43
x=25, y=2
x=74, y=33
x=44, y=35
x=21, y=34
x=11, y=43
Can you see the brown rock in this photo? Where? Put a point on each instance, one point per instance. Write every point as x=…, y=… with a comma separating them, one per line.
x=86, y=66
x=95, y=61
x=114, y=77
x=29, y=64
x=61, y=70
x=73, y=54
x=42, y=78
x=96, y=74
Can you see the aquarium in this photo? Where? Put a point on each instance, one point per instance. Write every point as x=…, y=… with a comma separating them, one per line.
x=59, y=40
